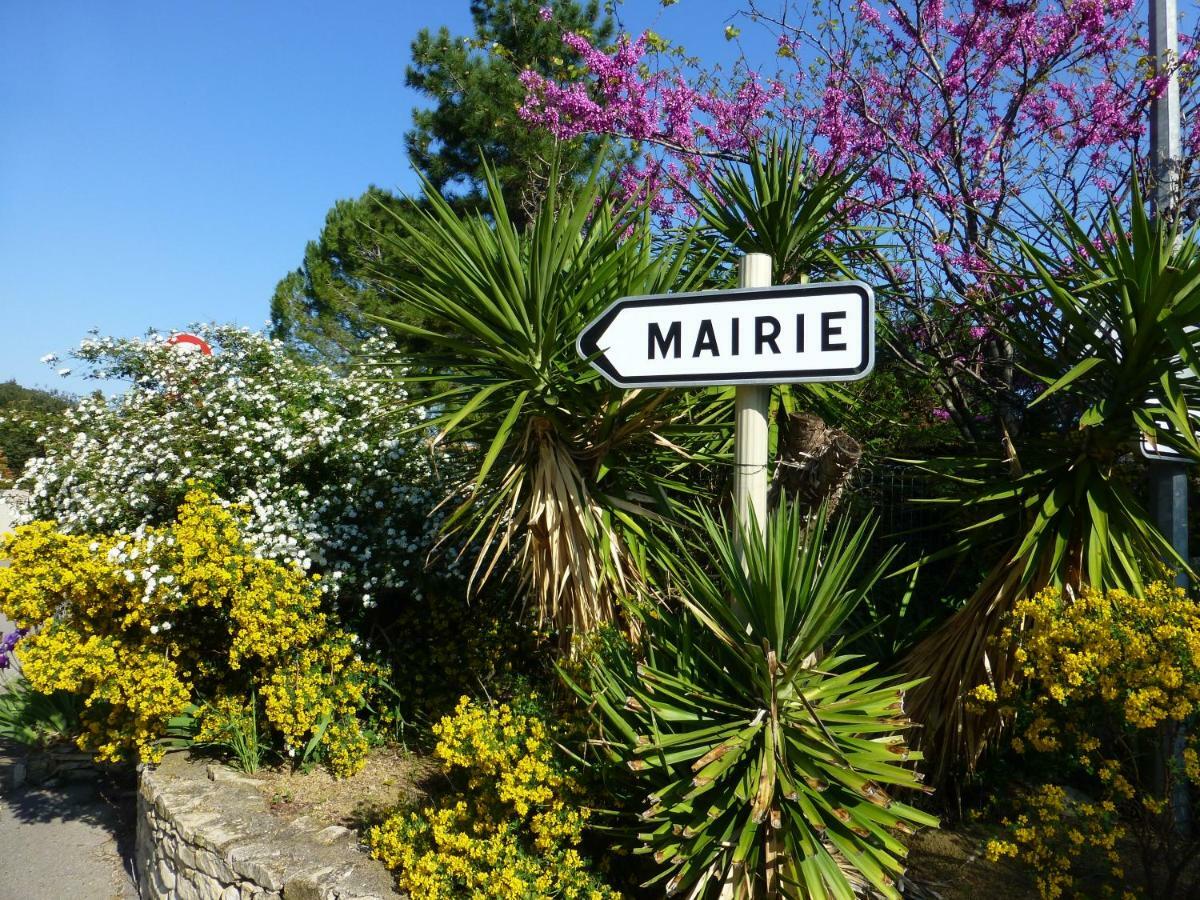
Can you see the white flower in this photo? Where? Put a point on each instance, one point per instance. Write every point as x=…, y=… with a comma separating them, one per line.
x=242, y=420
x=50, y=359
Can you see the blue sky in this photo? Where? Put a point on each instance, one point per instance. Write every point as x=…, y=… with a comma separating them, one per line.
x=162, y=163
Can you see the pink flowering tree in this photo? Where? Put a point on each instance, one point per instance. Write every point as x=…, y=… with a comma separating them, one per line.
x=968, y=117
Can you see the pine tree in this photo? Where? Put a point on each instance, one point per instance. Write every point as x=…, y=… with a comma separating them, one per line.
x=474, y=85
x=323, y=307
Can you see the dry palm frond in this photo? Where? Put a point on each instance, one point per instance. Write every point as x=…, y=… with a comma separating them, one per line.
x=565, y=462
x=1102, y=321
x=962, y=654
x=575, y=564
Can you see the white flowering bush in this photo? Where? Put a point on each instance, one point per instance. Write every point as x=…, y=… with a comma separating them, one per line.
x=328, y=465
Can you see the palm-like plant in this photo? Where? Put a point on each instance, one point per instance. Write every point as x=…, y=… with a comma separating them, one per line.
x=555, y=481
x=1101, y=324
x=779, y=202
x=762, y=770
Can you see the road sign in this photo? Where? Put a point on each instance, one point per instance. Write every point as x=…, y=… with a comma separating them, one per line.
x=1153, y=450
x=189, y=343
x=758, y=335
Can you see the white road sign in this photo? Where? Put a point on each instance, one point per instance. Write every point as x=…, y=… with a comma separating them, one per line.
x=1152, y=449
x=773, y=335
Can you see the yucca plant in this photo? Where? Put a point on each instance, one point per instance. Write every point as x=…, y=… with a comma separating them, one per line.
x=570, y=469
x=781, y=203
x=1100, y=324
x=762, y=769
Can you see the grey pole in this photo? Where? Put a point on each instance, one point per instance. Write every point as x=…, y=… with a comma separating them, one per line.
x=1166, y=149
x=1168, y=480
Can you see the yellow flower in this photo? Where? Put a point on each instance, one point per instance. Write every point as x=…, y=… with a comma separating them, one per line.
x=142, y=625
x=512, y=834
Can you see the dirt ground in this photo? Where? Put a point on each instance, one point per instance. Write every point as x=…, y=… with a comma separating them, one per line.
x=390, y=778
x=949, y=865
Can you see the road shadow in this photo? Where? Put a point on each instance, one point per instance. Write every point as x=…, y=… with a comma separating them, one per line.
x=105, y=799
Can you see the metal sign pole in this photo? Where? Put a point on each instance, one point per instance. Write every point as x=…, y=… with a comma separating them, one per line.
x=751, y=409
x=1166, y=149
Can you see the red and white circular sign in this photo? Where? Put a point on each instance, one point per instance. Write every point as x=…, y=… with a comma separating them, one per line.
x=189, y=343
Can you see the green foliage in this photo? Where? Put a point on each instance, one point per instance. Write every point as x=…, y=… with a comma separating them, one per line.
x=780, y=203
x=512, y=824
x=1100, y=323
x=140, y=626
x=473, y=83
x=449, y=645
x=759, y=767
x=228, y=726
x=25, y=415
x=322, y=306
x=35, y=719
x=569, y=467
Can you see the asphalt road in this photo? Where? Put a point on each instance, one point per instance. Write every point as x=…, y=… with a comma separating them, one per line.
x=67, y=841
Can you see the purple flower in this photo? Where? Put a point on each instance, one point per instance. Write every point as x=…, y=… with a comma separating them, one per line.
x=8, y=643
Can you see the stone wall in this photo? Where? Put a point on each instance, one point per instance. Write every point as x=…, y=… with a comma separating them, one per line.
x=204, y=832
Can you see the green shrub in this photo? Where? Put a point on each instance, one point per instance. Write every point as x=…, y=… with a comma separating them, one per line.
x=228, y=725
x=1112, y=681
x=449, y=644
x=26, y=416
x=35, y=719
x=757, y=768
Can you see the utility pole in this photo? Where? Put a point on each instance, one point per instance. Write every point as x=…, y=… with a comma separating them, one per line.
x=1168, y=480
x=1166, y=149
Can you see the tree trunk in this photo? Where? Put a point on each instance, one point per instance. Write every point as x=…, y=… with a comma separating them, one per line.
x=814, y=462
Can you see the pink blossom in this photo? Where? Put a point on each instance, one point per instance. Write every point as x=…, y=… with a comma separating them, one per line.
x=954, y=109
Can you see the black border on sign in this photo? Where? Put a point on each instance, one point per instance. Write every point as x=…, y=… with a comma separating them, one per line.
x=588, y=348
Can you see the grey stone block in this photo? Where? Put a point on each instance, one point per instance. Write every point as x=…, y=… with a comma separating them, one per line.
x=212, y=865
x=211, y=829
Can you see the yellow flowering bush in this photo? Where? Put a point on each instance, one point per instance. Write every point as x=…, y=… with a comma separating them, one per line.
x=1110, y=679
x=144, y=625
x=512, y=831
x=1052, y=833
